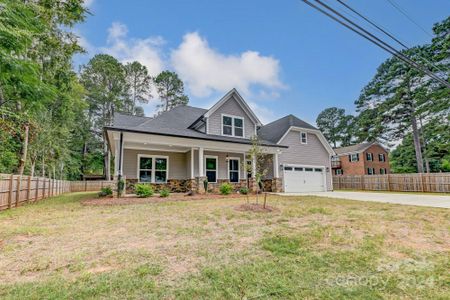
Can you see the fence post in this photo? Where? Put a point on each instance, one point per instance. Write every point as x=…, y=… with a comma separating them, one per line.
x=421, y=182
x=85, y=185
x=18, y=187
x=388, y=182
x=37, y=189
x=11, y=179
x=28, y=188
x=43, y=190
x=362, y=183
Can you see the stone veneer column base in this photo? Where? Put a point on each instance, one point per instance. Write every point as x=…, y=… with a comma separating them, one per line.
x=200, y=188
x=277, y=186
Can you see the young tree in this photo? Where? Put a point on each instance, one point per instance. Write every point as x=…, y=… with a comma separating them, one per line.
x=170, y=89
x=139, y=87
x=259, y=167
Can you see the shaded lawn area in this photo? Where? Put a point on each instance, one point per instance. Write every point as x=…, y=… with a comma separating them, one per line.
x=310, y=247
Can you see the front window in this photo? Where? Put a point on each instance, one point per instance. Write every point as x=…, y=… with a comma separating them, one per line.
x=339, y=172
x=370, y=171
x=303, y=137
x=233, y=169
x=383, y=171
x=160, y=170
x=152, y=169
x=381, y=157
x=145, y=169
x=369, y=156
x=232, y=126
x=211, y=169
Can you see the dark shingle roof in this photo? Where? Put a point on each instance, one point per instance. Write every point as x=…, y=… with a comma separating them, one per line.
x=275, y=130
x=175, y=122
x=352, y=148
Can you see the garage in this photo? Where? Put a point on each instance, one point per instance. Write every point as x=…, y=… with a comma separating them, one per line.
x=299, y=179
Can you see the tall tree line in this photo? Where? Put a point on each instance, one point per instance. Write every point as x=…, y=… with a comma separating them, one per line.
x=51, y=118
x=403, y=104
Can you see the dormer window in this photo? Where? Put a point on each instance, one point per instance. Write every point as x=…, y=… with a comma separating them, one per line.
x=303, y=137
x=232, y=126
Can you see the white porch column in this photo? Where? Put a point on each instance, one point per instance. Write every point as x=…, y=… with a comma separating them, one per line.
x=253, y=166
x=201, y=172
x=275, y=166
x=121, y=143
x=116, y=158
x=192, y=163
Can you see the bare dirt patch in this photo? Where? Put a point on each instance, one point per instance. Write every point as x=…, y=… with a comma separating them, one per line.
x=155, y=199
x=255, y=208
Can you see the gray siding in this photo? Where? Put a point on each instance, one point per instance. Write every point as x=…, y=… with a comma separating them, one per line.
x=177, y=163
x=312, y=153
x=230, y=107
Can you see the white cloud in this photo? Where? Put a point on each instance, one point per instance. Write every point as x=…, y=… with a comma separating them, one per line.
x=205, y=70
x=88, y=3
x=147, y=51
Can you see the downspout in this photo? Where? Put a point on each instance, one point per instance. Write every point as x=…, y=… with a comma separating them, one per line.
x=119, y=173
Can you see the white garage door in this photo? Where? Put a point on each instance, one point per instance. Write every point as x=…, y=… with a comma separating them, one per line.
x=303, y=179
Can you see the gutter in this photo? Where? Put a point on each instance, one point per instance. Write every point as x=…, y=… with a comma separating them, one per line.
x=188, y=137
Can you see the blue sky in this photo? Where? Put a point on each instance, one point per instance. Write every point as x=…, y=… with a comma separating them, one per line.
x=283, y=56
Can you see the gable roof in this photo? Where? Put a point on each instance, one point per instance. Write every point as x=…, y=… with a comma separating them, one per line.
x=239, y=100
x=274, y=131
x=356, y=148
x=175, y=122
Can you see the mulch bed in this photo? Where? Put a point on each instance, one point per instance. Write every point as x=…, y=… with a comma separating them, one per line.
x=255, y=208
x=154, y=199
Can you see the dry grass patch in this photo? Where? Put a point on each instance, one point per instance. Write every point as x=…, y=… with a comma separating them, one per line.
x=194, y=249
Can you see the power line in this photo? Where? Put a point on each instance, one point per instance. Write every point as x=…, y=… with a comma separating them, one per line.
x=389, y=34
x=403, y=12
x=375, y=40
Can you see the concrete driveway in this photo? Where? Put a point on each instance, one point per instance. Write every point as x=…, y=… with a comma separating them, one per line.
x=430, y=200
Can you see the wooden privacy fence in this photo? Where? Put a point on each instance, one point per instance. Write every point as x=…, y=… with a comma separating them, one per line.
x=16, y=190
x=425, y=182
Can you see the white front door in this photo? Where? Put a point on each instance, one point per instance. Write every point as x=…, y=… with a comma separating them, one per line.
x=299, y=179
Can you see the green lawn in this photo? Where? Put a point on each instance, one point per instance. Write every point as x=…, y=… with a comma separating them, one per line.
x=310, y=247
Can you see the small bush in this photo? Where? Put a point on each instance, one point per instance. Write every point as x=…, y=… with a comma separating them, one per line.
x=226, y=189
x=164, y=192
x=243, y=190
x=105, y=191
x=143, y=190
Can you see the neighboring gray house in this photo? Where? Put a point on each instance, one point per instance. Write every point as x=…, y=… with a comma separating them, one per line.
x=181, y=148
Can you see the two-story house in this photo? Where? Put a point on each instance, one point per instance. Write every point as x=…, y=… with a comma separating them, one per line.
x=361, y=159
x=182, y=148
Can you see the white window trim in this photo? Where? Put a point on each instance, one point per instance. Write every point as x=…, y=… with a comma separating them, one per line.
x=217, y=166
x=301, y=137
x=384, y=157
x=232, y=125
x=371, y=156
x=153, y=170
x=239, y=167
x=351, y=157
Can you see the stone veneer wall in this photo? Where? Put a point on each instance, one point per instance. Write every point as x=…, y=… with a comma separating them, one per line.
x=214, y=187
x=273, y=185
x=174, y=185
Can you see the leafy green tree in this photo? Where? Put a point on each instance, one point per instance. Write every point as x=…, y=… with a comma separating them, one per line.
x=139, y=84
x=170, y=89
x=399, y=96
x=104, y=79
x=336, y=126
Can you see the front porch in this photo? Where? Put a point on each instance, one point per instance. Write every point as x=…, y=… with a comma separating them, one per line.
x=182, y=164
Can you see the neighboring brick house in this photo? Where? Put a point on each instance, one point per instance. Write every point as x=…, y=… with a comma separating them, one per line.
x=361, y=159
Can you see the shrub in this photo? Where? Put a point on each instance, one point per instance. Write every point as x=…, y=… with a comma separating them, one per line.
x=105, y=191
x=143, y=190
x=226, y=188
x=243, y=190
x=164, y=192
